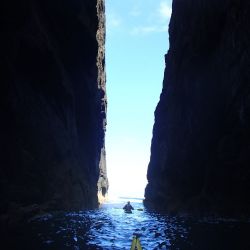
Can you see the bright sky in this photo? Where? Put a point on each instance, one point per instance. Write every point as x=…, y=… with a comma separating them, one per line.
x=136, y=42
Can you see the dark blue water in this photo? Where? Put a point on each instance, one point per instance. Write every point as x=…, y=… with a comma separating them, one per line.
x=110, y=228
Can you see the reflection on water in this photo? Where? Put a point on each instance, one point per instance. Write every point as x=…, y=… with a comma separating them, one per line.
x=110, y=228
x=115, y=229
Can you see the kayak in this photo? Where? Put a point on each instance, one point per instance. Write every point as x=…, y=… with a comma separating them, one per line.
x=136, y=245
x=128, y=211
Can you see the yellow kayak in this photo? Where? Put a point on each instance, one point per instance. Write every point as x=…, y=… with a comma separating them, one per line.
x=136, y=245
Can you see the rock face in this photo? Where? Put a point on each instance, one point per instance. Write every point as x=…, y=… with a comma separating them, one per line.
x=200, y=152
x=53, y=105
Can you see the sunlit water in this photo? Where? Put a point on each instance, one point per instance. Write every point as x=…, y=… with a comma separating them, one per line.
x=110, y=228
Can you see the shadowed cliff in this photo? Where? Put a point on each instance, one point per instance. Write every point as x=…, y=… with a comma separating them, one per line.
x=200, y=150
x=53, y=106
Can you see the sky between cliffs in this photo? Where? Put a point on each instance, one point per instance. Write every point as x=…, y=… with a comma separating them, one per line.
x=136, y=42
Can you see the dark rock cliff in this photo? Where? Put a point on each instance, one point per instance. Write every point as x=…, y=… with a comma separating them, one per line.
x=200, y=152
x=53, y=105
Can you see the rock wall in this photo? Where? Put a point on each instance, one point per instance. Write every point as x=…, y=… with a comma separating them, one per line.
x=53, y=105
x=200, y=152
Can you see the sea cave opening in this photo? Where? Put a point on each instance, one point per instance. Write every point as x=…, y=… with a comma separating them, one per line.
x=136, y=42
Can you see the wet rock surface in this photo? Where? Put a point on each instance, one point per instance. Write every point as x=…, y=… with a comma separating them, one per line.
x=200, y=148
x=53, y=106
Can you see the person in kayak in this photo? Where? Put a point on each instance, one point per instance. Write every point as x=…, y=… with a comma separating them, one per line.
x=128, y=208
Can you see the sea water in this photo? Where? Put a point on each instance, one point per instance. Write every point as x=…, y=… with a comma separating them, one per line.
x=110, y=228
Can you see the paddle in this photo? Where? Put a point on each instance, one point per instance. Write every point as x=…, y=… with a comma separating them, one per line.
x=138, y=209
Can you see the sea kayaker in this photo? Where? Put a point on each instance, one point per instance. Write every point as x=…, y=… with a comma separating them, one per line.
x=128, y=208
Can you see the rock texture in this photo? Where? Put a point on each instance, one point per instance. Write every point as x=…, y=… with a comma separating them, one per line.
x=200, y=152
x=53, y=105
x=103, y=183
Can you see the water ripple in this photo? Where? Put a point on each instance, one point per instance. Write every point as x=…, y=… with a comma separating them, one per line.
x=110, y=228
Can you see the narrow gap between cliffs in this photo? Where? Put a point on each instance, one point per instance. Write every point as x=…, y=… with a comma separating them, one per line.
x=136, y=42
